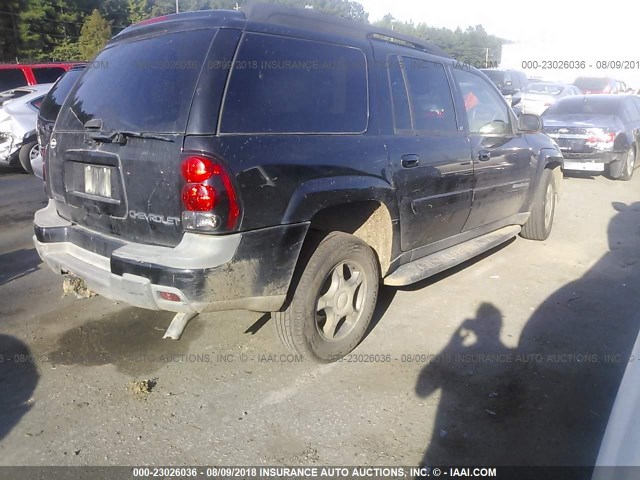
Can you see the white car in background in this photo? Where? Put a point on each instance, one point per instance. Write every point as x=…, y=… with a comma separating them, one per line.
x=18, y=116
x=537, y=97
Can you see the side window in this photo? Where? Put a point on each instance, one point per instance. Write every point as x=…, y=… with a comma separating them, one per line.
x=401, y=111
x=286, y=85
x=11, y=78
x=429, y=96
x=47, y=74
x=486, y=111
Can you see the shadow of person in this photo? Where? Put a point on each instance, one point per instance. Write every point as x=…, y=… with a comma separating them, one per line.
x=18, y=380
x=581, y=338
x=546, y=402
x=468, y=374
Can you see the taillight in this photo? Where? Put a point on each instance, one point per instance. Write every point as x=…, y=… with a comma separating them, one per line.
x=198, y=169
x=198, y=198
x=601, y=139
x=208, y=196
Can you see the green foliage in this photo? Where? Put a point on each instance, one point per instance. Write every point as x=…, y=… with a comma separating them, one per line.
x=138, y=11
x=77, y=29
x=43, y=24
x=95, y=33
x=469, y=46
x=67, y=50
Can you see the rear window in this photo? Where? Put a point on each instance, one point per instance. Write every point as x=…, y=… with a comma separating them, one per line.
x=11, y=78
x=584, y=106
x=588, y=83
x=47, y=74
x=284, y=85
x=144, y=85
x=55, y=98
x=496, y=76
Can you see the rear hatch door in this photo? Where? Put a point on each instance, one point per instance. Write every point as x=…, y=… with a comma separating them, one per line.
x=114, y=156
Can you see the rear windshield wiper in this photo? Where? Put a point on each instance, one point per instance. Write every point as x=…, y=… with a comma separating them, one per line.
x=120, y=136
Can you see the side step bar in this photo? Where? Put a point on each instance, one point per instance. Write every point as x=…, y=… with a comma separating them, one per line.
x=449, y=257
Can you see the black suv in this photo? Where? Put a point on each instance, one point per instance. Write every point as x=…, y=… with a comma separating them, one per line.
x=280, y=160
x=509, y=82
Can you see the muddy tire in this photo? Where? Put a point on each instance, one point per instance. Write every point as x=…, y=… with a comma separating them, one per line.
x=25, y=154
x=539, y=224
x=628, y=164
x=331, y=307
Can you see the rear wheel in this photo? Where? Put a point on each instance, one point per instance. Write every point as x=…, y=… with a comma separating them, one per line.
x=539, y=224
x=333, y=302
x=628, y=165
x=28, y=152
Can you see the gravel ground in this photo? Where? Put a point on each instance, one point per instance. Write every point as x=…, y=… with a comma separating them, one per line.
x=511, y=359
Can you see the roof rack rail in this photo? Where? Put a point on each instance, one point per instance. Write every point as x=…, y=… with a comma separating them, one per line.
x=308, y=18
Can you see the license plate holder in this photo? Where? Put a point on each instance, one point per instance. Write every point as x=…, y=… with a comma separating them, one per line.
x=97, y=180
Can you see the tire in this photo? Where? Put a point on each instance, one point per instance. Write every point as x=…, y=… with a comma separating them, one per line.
x=332, y=303
x=629, y=164
x=25, y=153
x=539, y=224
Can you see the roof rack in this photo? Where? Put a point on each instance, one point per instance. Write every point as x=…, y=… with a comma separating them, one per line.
x=310, y=19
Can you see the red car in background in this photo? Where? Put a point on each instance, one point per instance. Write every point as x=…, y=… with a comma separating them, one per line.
x=14, y=75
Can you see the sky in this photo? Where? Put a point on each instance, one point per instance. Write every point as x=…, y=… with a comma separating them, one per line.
x=541, y=30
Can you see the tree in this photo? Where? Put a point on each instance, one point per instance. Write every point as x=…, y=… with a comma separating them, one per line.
x=138, y=11
x=469, y=46
x=94, y=35
x=66, y=51
x=9, y=30
x=44, y=24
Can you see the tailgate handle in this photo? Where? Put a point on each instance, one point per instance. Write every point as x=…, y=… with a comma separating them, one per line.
x=410, y=160
x=484, y=155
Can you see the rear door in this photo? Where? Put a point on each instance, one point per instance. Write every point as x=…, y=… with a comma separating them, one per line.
x=503, y=161
x=430, y=154
x=123, y=185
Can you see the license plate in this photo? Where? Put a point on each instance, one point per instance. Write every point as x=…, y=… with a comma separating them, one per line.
x=97, y=180
x=584, y=166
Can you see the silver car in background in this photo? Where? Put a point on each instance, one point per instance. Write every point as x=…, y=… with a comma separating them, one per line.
x=537, y=97
x=18, y=116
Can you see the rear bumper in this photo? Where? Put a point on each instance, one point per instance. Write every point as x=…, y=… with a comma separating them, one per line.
x=248, y=270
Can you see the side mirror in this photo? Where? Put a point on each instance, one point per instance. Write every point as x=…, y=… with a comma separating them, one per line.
x=517, y=111
x=530, y=123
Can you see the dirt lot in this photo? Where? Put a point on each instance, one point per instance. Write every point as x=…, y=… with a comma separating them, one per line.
x=500, y=362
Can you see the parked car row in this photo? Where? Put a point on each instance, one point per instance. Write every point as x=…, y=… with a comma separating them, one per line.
x=597, y=133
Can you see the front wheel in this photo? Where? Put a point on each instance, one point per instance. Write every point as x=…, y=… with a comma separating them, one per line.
x=333, y=302
x=539, y=224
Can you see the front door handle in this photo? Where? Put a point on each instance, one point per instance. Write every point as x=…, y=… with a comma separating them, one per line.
x=484, y=155
x=410, y=160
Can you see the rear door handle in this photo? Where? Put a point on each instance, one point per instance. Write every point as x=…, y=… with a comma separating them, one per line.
x=410, y=160
x=484, y=155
